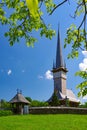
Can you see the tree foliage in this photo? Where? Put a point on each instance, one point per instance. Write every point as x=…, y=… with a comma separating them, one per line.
x=83, y=85
x=36, y=103
x=77, y=38
x=29, y=99
x=83, y=105
x=24, y=18
x=77, y=35
x=55, y=101
x=4, y=104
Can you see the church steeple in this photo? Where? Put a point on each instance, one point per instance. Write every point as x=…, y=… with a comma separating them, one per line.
x=59, y=55
x=59, y=70
x=59, y=76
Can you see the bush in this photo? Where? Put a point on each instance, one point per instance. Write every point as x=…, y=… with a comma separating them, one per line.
x=55, y=101
x=83, y=105
x=36, y=103
x=4, y=104
x=5, y=112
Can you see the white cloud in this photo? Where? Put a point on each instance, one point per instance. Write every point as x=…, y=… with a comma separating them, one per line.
x=85, y=97
x=40, y=77
x=48, y=75
x=23, y=71
x=83, y=64
x=9, y=72
x=84, y=53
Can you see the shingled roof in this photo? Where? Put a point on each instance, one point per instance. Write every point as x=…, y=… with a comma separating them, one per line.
x=70, y=95
x=19, y=98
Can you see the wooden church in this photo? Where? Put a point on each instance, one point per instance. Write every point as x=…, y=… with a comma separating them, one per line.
x=59, y=76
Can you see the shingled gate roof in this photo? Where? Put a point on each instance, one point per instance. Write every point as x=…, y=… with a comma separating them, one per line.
x=19, y=98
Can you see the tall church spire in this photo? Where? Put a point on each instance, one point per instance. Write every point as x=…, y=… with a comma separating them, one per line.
x=59, y=76
x=59, y=70
x=59, y=55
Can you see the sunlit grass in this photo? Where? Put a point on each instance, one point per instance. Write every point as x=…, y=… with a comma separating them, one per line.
x=44, y=122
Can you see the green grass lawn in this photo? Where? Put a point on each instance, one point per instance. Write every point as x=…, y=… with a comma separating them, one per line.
x=44, y=122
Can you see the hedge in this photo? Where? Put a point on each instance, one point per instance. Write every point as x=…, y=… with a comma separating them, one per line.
x=6, y=112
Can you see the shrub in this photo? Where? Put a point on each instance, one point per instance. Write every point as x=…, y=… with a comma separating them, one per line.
x=83, y=105
x=5, y=112
x=55, y=101
x=36, y=103
x=4, y=104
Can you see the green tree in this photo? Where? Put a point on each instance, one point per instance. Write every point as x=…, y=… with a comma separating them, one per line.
x=25, y=17
x=36, y=103
x=4, y=104
x=29, y=99
x=21, y=20
x=83, y=105
x=55, y=101
x=83, y=85
x=77, y=39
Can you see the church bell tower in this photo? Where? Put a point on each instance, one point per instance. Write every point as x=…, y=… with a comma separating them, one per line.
x=59, y=70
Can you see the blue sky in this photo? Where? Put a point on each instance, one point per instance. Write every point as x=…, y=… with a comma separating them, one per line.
x=27, y=68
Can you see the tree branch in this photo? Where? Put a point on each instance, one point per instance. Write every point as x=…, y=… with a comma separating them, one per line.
x=58, y=6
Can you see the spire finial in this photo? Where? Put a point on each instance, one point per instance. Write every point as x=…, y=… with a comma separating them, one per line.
x=59, y=55
x=20, y=91
x=17, y=90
